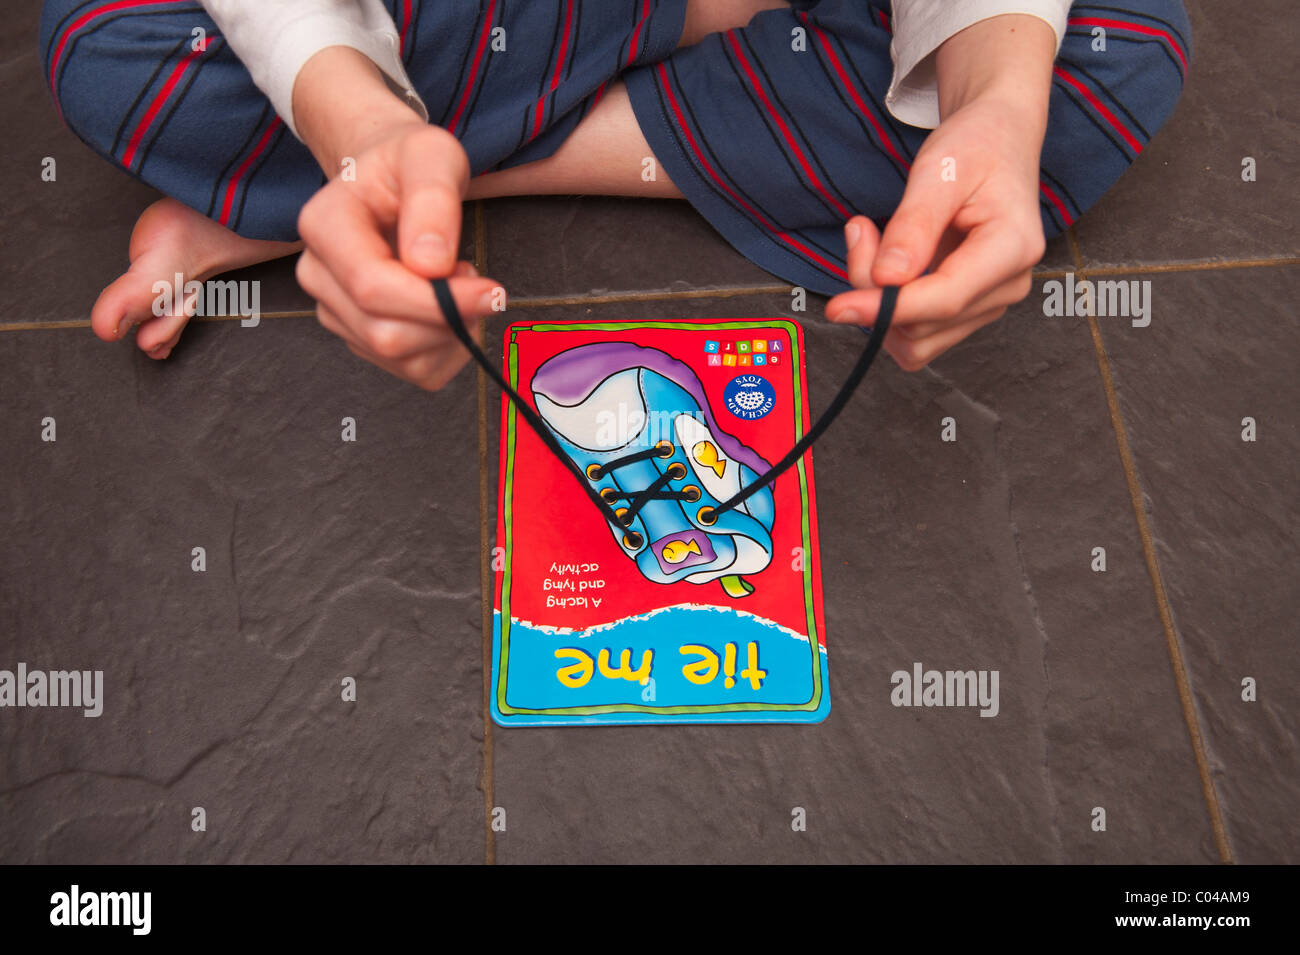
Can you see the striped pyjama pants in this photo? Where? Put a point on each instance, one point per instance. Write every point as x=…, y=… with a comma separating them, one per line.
x=776, y=132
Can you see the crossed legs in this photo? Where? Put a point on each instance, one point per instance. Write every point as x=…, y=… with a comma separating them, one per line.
x=602, y=156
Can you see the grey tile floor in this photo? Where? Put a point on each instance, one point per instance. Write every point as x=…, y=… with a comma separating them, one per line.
x=328, y=559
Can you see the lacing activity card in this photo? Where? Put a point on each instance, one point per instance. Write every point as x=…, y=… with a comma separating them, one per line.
x=673, y=603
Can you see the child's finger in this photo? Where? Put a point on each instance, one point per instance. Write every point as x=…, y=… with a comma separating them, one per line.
x=995, y=251
x=429, y=370
x=1008, y=293
x=433, y=173
x=432, y=369
x=913, y=232
x=392, y=367
x=988, y=260
x=862, y=238
x=860, y=306
x=398, y=367
x=382, y=339
x=342, y=237
x=387, y=335
x=342, y=232
x=914, y=354
x=994, y=256
x=332, y=323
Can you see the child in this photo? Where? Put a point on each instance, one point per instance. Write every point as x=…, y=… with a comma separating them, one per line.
x=976, y=129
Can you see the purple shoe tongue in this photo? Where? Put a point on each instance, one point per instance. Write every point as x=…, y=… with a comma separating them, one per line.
x=571, y=376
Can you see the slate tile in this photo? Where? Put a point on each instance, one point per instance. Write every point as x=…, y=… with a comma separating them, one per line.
x=325, y=560
x=557, y=246
x=1058, y=257
x=965, y=555
x=1221, y=347
x=568, y=246
x=65, y=240
x=21, y=31
x=278, y=291
x=1184, y=199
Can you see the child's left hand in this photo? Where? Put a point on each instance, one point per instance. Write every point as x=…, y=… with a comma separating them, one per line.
x=970, y=209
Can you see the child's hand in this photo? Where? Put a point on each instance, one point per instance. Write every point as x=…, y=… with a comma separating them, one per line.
x=395, y=181
x=970, y=209
x=408, y=189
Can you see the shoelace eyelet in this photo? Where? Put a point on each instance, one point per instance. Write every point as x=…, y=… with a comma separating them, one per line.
x=621, y=514
x=632, y=540
x=692, y=493
x=594, y=472
x=677, y=470
x=708, y=521
x=609, y=495
x=665, y=448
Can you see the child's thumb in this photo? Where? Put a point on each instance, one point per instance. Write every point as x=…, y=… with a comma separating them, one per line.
x=431, y=186
x=912, y=236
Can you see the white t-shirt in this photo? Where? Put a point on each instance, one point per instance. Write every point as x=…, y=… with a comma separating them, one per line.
x=274, y=40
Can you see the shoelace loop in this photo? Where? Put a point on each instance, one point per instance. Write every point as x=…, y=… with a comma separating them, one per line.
x=707, y=516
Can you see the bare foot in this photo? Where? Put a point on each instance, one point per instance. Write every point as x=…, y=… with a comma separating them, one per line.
x=170, y=237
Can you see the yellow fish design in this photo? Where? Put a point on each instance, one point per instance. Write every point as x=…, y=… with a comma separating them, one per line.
x=707, y=455
x=676, y=551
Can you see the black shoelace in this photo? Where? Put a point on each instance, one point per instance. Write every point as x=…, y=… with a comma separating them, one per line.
x=707, y=516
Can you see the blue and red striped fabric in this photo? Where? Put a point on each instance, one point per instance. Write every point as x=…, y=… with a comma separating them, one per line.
x=776, y=132
x=773, y=132
x=128, y=78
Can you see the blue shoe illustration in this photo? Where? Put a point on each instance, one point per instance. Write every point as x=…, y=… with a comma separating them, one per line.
x=637, y=423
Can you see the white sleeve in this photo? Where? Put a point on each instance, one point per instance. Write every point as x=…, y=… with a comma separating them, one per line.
x=273, y=40
x=921, y=26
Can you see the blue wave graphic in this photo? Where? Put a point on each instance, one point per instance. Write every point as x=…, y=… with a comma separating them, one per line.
x=640, y=661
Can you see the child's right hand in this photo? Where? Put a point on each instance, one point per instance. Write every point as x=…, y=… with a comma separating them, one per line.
x=410, y=179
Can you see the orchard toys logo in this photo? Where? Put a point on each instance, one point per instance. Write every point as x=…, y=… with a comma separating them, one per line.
x=749, y=396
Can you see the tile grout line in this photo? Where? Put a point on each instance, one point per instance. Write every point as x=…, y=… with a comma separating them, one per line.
x=1172, y=644
x=487, y=780
x=1158, y=268
x=616, y=298
x=735, y=291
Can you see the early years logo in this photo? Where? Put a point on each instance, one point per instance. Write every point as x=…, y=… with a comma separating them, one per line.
x=74, y=907
x=749, y=396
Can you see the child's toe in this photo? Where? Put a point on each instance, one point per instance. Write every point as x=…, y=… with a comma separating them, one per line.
x=160, y=333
